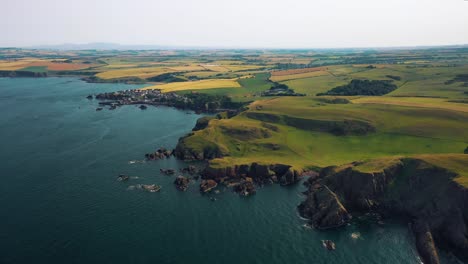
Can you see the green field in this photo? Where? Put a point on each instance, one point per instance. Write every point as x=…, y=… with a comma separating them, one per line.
x=35, y=69
x=399, y=130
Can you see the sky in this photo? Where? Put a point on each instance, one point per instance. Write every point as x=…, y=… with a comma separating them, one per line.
x=235, y=23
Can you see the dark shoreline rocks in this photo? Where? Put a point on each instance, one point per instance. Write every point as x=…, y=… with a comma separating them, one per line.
x=182, y=183
x=167, y=171
x=425, y=242
x=260, y=174
x=160, y=153
x=207, y=185
x=323, y=208
x=245, y=187
x=192, y=170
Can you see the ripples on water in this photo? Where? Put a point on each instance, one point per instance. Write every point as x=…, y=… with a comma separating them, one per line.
x=61, y=202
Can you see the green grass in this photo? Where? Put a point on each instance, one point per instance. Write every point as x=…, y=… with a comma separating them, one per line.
x=35, y=69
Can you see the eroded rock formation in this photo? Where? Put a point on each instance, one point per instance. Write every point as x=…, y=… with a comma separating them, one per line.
x=436, y=204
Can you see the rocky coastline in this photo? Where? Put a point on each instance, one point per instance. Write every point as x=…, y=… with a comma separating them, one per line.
x=200, y=103
x=436, y=206
x=424, y=194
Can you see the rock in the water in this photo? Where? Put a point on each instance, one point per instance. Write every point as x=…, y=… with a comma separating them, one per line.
x=151, y=187
x=190, y=170
x=89, y=97
x=99, y=109
x=123, y=177
x=160, y=153
x=143, y=107
x=168, y=171
x=207, y=185
x=328, y=244
x=245, y=187
x=181, y=183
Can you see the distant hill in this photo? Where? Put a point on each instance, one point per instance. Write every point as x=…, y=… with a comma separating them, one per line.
x=100, y=46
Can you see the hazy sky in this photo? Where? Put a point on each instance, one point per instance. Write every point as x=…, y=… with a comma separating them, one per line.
x=236, y=23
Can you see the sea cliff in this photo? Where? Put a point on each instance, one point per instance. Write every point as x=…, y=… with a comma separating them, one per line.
x=425, y=194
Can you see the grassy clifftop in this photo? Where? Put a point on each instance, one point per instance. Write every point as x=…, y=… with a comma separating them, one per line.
x=308, y=132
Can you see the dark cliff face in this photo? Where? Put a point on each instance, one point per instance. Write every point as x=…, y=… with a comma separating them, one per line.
x=410, y=188
x=261, y=174
x=184, y=152
x=323, y=208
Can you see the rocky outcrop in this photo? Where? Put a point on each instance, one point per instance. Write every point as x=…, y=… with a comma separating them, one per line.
x=167, y=171
x=192, y=170
x=123, y=177
x=245, y=187
x=151, y=187
x=411, y=188
x=261, y=174
x=207, y=185
x=202, y=123
x=186, y=152
x=182, y=183
x=323, y=208
x=161, y=153
x=358, y=190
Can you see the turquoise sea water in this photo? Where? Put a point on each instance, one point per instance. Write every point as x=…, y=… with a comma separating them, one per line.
x=60, y=201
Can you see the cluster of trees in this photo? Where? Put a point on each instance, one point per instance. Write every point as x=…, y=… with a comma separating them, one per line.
x=205, y=102
x=363, y=87
x=458, y=78
x=280, y=89
x=22, y=74
x=128, y=80
x=394, y=77
x=461, y=78
x=167, y=77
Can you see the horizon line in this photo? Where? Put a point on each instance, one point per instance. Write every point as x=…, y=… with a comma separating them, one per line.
x=203, y=47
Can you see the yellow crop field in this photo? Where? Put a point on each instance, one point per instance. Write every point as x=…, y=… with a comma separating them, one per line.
x=134, y=72
x=281, y=78
x=196, y=85
x=12, y=65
